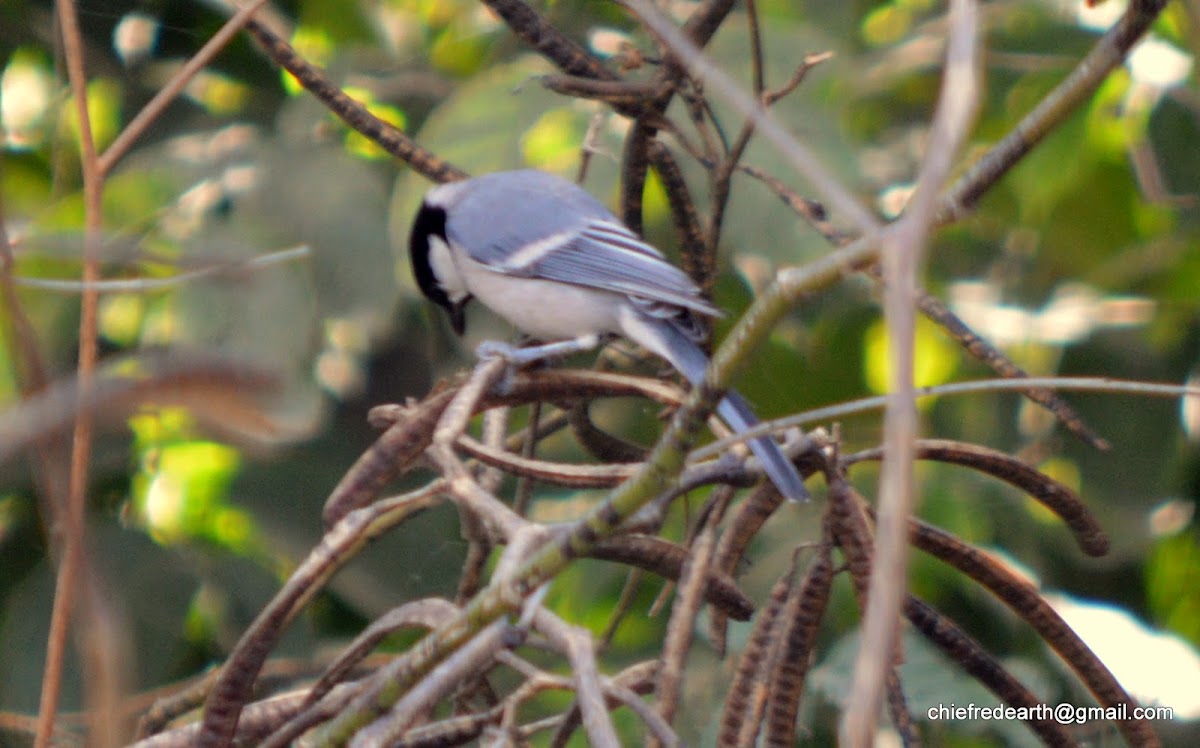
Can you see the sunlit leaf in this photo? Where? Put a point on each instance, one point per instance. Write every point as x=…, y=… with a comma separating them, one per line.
x=553, y=141
x=104, y=112
x=121, y=318
x=219, y=94
x=1111, y=128
x=886, y=25
x=1173, y=584
x=935, y=357
x=26, y=94
x=459, y=49
x=182, y=487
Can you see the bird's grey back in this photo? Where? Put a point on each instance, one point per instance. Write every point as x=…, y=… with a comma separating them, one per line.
x=537, y=225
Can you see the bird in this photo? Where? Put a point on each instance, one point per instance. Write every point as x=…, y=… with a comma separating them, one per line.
x=544, y=254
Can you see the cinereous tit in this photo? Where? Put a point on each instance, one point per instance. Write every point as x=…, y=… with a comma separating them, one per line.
x=545, y=255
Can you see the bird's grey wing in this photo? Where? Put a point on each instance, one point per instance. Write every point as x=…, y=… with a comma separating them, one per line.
x=604, y=254
x=534, y=225
x=496, y=215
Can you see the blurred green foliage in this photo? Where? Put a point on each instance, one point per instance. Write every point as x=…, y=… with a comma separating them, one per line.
x=1086, y=256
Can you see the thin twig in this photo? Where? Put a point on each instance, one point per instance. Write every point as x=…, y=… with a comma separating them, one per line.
x=1107, y=55
x=693, y=581
x=748, y=519
x=147, y=285
x=700, y=66
x=723, y=177
x=72, y=562
x=799, y=623
x=577, y=643
x=354, y=530
x=523, y=494
x=934, y=309
x=428, y=613
x=474, y=656
x=863, y=405
x=902, y=260
x=612, y=92
x=742, y=712
x=354, y=114
x=1052, y=494
x=798, y=75
x=157, y=105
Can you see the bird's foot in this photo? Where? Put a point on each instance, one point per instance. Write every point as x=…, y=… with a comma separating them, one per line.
x=515, y=356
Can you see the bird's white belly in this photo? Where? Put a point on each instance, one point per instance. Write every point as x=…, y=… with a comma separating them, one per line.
x=546, y=310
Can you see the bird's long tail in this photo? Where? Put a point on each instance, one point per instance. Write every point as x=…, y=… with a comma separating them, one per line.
x=664, y=339
x=736, y=412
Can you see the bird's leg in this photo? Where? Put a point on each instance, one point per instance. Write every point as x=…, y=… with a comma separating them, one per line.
x=517, y=356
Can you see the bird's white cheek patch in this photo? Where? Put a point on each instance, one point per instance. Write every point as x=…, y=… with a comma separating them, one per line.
x=444, y=269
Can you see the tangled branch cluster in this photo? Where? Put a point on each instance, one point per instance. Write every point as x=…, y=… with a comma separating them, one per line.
x=357, y=694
